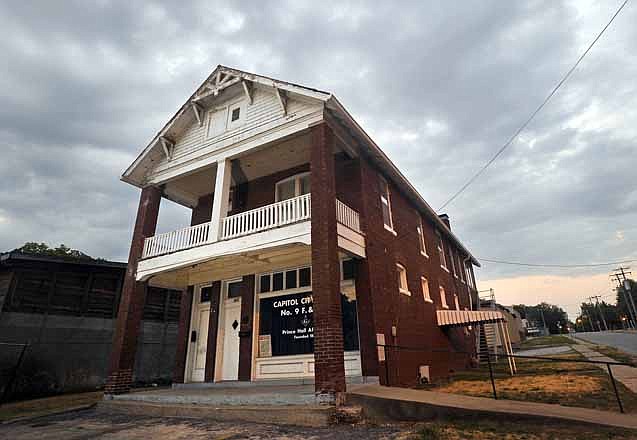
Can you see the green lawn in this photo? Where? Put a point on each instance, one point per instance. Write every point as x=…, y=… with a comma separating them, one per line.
x=564, y=383
x=491, y=429
x=614, y=353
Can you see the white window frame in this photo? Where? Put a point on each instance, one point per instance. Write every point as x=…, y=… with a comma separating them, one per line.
x=385, y=199
x=452, y=257
x=441, y=252
x=461, y=269
x=426, y=294
x=456, y=301
x=230, y=124
x=297, y=185
x=421, y=240
x=443, y=297
x=403, y=285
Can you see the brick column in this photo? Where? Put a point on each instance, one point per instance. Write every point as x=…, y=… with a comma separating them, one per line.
x=213, y=325
x=245, y=332
x=133, y=297
x=183, y=335
x=329, y=369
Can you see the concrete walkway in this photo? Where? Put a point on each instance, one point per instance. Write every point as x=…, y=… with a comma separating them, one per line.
x=390, y=403
x=621, y=373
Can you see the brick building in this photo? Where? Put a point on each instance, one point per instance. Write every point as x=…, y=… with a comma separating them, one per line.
x=306, y=247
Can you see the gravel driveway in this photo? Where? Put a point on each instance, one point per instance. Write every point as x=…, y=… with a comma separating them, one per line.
x=90, y=424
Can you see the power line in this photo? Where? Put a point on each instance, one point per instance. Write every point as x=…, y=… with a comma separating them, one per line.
x=565, y=266
x=537, y=110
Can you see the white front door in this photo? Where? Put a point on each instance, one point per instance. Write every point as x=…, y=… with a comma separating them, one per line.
x=230, y=348
x=199, y=334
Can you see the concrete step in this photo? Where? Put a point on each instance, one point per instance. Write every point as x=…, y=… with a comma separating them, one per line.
x=299, y=415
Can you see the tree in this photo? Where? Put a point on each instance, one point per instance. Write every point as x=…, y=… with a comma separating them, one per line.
x=43, y=249
x=554, y=316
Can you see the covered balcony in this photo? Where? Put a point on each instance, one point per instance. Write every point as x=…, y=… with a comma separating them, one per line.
x=275, y=215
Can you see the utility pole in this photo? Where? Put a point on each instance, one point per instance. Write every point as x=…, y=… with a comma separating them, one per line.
x=620, y=275
x=601, y=312
x=544, y=323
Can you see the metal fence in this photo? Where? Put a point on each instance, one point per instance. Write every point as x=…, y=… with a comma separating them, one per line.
x=392, y=354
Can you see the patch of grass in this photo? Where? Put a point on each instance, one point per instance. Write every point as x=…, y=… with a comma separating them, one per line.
x=37, y=407
x=546, y=341
x=490, y=429
x=614, y=353
x=565, y=383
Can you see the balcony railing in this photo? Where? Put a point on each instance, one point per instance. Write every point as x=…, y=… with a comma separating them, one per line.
x=267, y=217
x=278, y=214
x=347, y=216
x=178, y=240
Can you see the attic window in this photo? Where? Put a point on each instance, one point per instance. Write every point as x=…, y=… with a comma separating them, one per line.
x=235, y=114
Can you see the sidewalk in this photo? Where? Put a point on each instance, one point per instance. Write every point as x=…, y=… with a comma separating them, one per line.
x=393, y=403
x=622, y=373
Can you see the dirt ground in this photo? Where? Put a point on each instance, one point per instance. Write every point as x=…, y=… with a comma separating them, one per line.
x=89, y=424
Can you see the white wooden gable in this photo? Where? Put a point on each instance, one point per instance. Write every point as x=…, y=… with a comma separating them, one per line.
x=229, y=107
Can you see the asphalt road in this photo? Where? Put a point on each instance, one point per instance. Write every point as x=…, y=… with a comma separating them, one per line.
x=625, y=341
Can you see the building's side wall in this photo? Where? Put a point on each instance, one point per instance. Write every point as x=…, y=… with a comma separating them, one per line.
x=413, y=318
x=70, y=350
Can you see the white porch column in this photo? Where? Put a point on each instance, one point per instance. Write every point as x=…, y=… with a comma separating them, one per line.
x=221, y=195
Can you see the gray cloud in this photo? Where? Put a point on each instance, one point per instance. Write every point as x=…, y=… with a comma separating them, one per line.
x=439, y=86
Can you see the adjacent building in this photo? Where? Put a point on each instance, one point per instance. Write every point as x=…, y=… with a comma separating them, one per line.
x=308, y=256
x=64, y=310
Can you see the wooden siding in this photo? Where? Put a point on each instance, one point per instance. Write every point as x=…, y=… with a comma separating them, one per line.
x=263, y=114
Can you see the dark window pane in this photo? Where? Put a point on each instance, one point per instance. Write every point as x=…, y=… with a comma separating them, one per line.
x=386, y=214
x=290, y=279
x=277, y=281
x=236, y=113
x=350, y=323
x=265, y=283
x=305, y=277
x=102, y=297
x=68, y=294
x=234, y=290
x=32, y=292
x=349, y=269
x=206, y=294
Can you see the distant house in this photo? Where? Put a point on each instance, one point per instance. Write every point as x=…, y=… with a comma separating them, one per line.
x=65, y=310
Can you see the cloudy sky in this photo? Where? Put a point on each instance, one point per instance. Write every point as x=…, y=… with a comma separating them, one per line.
x=440, y=87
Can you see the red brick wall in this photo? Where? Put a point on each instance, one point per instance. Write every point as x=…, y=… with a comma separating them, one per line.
x=245, y=331
x=213, y=321
x=329, y=370
x=414, y=319
x=202, y=213
x=133, y=297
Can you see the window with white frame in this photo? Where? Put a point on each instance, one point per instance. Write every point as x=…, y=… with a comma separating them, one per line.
x=425, y=289
x=386, y=204
x=461, y=268
x=291, y=187
x=236, y=115
x=452, y=257
x=402, y=279
x=443, y=298
x=421, y=239
x=441, y=251
x=456, y=302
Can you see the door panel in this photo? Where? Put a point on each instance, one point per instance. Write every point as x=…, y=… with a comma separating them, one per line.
x=201, y=345
x=230, y=356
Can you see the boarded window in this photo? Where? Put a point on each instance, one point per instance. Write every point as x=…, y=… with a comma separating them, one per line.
x=32, y=292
